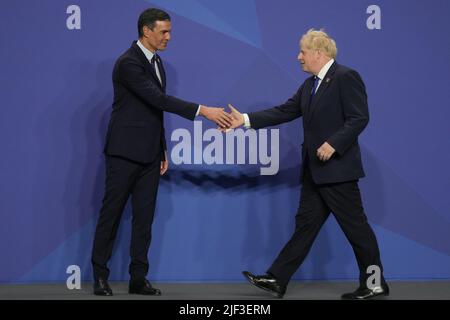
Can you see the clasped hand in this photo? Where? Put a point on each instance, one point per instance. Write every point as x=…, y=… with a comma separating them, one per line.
x=235, y=120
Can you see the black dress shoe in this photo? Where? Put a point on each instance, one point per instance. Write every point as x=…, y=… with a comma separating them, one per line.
x=266, y=282
x=366, y=293
x=101, y=288
x=143, y=287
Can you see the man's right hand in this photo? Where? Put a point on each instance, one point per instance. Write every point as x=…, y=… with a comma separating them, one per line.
x=237, y=119
x=217, y=115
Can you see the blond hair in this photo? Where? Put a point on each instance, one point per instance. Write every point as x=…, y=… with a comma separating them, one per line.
x=319, y=40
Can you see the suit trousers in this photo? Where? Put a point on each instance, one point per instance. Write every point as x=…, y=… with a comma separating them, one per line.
x=125, y=178
x=316, y=203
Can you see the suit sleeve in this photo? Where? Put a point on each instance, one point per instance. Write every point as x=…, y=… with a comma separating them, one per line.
x=286, y=112
x=134, y=77
x=355, y=110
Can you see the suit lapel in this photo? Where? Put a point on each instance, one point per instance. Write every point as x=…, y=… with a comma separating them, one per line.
x=306, y=96
x=147, y=64
x=322, y=88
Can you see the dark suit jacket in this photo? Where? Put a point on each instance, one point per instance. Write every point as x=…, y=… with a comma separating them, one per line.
x=337, y=114
x=136, y=127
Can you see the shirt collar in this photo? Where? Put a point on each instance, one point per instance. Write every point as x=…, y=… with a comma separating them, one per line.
x=148, y=54
x=325, y=69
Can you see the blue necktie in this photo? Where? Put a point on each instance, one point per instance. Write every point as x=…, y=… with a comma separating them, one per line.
x=314, y=88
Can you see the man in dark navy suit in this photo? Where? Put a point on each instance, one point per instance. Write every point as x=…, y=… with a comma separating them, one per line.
x=333, y=104
x=135, y=149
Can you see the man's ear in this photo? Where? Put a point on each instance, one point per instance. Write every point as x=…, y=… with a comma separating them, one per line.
x=320, y=54
x=146, y=30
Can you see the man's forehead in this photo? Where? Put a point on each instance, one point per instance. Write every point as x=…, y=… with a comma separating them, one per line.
x=163, y=24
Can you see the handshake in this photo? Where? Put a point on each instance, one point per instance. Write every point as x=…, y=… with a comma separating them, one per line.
x=224, y=120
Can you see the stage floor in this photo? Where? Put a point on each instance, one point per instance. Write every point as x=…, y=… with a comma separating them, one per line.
x=304, y=290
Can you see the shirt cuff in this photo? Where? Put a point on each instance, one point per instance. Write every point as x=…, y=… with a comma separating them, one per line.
x=198, y=111
x=246, y=121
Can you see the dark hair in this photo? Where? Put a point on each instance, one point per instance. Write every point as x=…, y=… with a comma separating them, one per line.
x=149, y=17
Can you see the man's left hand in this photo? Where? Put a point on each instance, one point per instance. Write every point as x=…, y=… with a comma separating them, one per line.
x=164, y=164
x=325, y=152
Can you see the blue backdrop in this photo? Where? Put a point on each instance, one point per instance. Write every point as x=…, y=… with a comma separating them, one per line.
x=213, y=221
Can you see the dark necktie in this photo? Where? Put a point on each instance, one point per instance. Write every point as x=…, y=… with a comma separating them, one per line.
x=156, y=66
x=314, y=88
x=153, y=60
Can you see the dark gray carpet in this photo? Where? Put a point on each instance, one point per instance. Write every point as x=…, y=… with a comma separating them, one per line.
x=310, y=290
